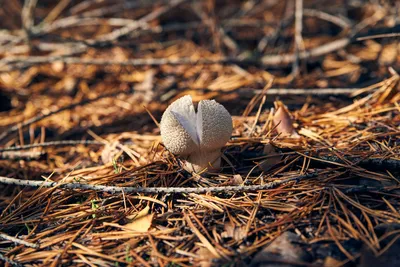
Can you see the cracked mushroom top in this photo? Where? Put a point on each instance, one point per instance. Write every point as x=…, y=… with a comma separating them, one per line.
x=185, y=131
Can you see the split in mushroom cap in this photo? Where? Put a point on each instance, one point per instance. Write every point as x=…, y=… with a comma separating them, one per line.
x=198, y=136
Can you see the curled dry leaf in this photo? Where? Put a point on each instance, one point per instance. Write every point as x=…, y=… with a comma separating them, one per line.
x=285, y=248
x=141, y=221
x=283, y=120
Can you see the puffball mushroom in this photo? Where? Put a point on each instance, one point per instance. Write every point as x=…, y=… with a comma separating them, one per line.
x=196, y=136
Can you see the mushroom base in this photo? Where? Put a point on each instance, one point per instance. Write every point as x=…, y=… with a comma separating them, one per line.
x=203, y=161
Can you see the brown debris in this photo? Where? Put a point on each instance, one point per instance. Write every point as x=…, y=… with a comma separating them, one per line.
x=283, y=121
x=325, y=159
x=284, y=251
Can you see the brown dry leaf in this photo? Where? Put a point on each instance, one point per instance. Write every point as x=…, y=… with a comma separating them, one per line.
x=283, y=120
x=273, y=158
x=141, y=221
x=237, y=233
x=140, y=214
x=286, y=248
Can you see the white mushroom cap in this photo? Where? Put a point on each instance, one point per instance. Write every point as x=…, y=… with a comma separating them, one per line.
x=199, y=136
x=215, y=127
x=176, y=129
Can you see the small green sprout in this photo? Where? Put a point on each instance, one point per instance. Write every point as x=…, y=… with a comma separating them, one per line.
x=94, y=207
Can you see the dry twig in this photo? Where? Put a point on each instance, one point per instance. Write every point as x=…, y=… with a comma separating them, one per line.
x=148, y=190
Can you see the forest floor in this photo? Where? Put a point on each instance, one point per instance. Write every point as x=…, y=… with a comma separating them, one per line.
x=311, y=173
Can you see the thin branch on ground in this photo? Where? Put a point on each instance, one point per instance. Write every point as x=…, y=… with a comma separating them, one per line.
x=339, y=21
x=378, y=36
x=280, y=60
x=301, y=91
x=18, y=241
x=298, y=39
x=10, y=261
x=53, y=143
x=155, y=190
x=267, y=60
x=375, y=163
x=27, y=155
